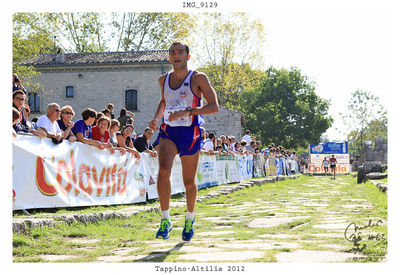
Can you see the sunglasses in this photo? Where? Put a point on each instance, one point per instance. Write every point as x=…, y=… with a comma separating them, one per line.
x=57, y=110
x=20, y=98
x=68, y=113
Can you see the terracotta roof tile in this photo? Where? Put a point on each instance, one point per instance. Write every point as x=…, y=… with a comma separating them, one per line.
x=98, y=58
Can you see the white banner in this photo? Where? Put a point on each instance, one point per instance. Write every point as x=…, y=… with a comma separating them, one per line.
x=176, y=179
x=342, y=166
x=73, y=174
x=340, y=158
x=46, y=175
x=245, y=166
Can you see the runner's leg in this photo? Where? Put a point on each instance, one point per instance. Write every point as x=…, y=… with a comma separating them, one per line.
x=189, y=169
x=166, y=155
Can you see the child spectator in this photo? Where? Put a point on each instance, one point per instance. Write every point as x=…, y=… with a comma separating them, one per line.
x=100, y=133
x=106, y=112
x=83, y=128
x=114, y=127
x=110, y=107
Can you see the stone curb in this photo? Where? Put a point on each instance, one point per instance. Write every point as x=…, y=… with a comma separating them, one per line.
x=21, y=225
x=383, y=186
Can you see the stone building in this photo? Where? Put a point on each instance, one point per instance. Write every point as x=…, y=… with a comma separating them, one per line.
x=126, y=79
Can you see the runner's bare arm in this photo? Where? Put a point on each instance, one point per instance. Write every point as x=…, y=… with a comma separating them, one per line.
x=161, y=106
x=204, y=86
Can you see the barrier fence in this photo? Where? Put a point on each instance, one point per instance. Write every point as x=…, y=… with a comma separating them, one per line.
x=46, y=175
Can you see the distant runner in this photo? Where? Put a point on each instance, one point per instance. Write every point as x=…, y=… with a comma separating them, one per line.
x=325, y=164
x=333, y=162
x=181, y=109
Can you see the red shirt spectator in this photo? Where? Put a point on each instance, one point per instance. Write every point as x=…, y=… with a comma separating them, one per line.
x=97, y=135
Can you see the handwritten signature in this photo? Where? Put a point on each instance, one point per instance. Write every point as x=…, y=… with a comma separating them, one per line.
x=354, y=234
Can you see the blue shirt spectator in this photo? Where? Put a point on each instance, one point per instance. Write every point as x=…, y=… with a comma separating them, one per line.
x=81, y=127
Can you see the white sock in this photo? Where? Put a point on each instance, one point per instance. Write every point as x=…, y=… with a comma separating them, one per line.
x=165, y=214
x=190, y=215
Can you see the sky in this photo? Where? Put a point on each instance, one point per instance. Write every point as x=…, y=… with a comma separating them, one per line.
x=339, y=52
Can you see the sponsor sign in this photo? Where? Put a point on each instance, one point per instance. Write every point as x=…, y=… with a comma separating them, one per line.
x=46, y=175
x=330, y=148
x=325, y=150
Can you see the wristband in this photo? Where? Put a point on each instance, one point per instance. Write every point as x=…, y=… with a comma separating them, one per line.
x=190, y=109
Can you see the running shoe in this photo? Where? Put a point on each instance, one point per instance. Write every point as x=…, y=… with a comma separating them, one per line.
x=188, y=230
x=165, y=228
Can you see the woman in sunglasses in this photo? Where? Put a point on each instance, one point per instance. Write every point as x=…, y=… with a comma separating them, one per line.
x=124, y=140
x=65, y=122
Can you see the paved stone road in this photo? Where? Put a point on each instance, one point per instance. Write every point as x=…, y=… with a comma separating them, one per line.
x=301, y=226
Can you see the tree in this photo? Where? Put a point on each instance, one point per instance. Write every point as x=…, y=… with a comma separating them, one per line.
x=84, y=31
x=229, y=85
x=43, y=33
x=228, y=49
x=149, y=31
x=366, y=119
x=284, y=109
x=30, y=38
x=98, y=32
x=224, y=39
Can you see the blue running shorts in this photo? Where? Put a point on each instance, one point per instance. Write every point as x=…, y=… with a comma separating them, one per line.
x=186, y=138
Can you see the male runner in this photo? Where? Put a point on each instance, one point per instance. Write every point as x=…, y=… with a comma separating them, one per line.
x=181, y=109
x=325, y=164
x=333, y=162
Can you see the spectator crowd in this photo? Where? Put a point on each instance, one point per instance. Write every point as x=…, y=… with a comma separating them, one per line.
x=103, y=131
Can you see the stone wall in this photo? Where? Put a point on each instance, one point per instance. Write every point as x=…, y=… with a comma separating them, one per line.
x=95, y=87
x=376, y=153
x=225, y=122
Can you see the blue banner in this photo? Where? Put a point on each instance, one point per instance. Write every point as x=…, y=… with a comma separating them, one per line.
x=330, y=148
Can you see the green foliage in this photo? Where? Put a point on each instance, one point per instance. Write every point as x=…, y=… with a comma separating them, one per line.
x=227, y=47
x=224, y=39
x=83, y=30
x=98, y=32
x=284, y=109
x=365, y=118
x=231, y=81
x=43, y=33
x=31, y=37
x=149, y=31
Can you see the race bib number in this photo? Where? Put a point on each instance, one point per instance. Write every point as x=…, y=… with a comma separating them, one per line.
x=184, y=121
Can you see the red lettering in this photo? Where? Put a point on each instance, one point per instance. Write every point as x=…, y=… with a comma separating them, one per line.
x=111, y=173
x=108, y=181
x=98, y=183
x=114, y=183
x=41, y=182
x=74, y=172
x=62, y=165
x=122, y=189
x=83, y=168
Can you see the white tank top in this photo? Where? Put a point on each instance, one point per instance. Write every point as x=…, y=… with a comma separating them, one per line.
x=179, y=99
